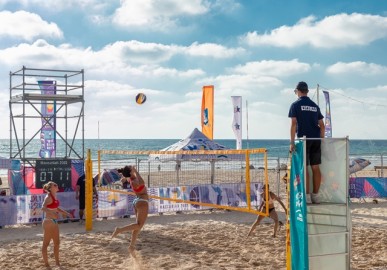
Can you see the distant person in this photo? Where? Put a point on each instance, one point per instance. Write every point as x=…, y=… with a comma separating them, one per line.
x=80, y=194
x=177, y=167
x=272, y=213
x=51, y=210
x=307, y=120
x=140, y=204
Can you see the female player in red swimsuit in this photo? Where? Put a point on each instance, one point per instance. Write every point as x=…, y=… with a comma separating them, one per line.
x=272, y=213
x=50, y=223
x=140, y=204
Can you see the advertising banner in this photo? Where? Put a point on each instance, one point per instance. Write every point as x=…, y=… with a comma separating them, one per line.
x=237, y=120
x=368, y=187
x=328, y=122
x=48, y=109
x=24, y=209
x=207, y=113
x=27, y=208
x=298, y=212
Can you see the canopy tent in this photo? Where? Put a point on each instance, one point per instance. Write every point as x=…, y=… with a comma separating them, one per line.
x=195, y=141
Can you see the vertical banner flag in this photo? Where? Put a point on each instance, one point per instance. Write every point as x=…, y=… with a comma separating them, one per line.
x=298, y=213
x=208, y=111
x=328, y=122
x=237, y=120
x=48, y=131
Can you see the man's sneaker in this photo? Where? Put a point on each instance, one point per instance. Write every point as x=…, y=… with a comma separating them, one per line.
x=315, y=198
x=308, y=199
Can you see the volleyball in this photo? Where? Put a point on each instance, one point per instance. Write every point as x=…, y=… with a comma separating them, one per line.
x=140, y=98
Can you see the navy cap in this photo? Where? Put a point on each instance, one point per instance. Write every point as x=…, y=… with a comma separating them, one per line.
x=302, y=86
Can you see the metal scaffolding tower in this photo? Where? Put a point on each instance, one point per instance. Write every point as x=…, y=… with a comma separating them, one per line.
x=27, y=120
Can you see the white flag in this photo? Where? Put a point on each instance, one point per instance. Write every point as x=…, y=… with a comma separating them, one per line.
x=237, y=120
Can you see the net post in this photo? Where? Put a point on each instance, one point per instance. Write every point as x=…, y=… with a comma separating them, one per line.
x=99, y=168
x=267, y=194
x=248, y=189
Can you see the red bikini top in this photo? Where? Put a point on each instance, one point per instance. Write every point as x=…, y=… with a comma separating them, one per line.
x=54, y=204
x=137, y=189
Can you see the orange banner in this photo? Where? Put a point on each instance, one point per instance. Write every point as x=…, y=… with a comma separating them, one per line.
x=208, y=111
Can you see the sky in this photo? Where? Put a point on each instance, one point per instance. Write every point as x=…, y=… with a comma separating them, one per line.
x=170, y=49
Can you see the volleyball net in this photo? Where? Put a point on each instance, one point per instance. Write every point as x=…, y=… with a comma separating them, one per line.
x=188, y=180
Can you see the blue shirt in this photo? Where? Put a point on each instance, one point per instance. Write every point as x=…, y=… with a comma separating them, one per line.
x=307, y=114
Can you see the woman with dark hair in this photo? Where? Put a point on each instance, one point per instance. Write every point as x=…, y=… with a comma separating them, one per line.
x=272, y=213
x=140, y=204
x=50, y=223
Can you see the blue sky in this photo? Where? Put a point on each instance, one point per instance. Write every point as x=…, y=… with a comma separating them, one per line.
x=169, y=49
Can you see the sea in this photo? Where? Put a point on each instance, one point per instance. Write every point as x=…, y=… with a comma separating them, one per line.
x=373, y=150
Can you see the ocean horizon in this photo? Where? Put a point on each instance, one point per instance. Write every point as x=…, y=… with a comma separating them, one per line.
x=373, y=150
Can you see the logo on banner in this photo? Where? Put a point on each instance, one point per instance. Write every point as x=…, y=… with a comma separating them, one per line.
x=205, y=116
x=173, y=193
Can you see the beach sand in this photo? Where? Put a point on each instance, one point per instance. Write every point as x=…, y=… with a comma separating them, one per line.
x=193, y=240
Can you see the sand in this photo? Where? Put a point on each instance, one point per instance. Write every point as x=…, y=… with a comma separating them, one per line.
x=199, y=240
x=194, y=240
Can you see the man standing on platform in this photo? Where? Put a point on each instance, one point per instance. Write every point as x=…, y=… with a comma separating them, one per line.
x=307, y=120
x=80, y=194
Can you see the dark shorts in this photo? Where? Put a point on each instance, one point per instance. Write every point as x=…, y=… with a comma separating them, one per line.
x=81, y=203
x=313, y=152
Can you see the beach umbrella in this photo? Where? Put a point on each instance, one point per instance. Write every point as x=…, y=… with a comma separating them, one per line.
x=358, y=164
x=108, y=177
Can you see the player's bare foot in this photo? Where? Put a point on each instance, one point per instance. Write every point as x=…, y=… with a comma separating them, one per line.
x=116, y=231
x=132, y=251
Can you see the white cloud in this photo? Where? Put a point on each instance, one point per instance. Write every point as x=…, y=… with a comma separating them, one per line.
x=341, y=30
x=60, y=5
x=225, y=6
x=245, y=85
x=140, y=52
x=157, y=15
x=27, y=26
x=212, y=50
x=358, y=67
x=273, y=68
x=105, y=62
